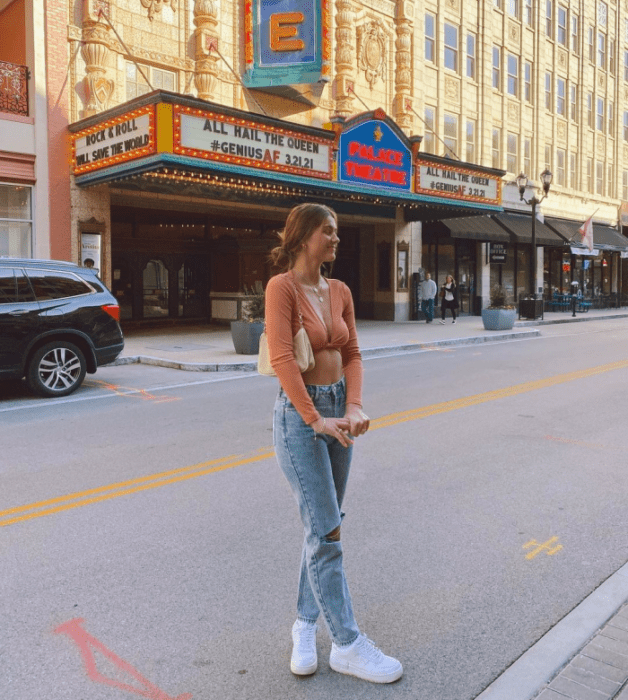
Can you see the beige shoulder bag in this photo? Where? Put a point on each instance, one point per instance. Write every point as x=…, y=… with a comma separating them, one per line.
x=301, y=347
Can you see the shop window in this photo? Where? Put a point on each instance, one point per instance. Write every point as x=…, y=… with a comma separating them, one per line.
x=523, y=271
x=155, y=289
x=16, y=225
x=403, y=252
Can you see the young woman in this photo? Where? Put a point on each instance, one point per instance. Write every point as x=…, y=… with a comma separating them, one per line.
x=449, y=298
x=316, y=416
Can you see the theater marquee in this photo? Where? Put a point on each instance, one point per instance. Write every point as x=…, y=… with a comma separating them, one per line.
x=445, y=180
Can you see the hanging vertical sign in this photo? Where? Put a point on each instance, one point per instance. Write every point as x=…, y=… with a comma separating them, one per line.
x=287, y=42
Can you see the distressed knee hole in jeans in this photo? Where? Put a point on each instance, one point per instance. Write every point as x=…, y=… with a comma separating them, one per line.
x=333, y=536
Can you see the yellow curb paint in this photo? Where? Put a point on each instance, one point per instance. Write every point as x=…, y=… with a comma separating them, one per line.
x=135, y=485
x=545, y=547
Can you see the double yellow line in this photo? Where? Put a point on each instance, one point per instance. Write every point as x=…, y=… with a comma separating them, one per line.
x=153, y=481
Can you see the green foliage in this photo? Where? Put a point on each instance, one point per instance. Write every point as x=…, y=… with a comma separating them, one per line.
x=253, y=309
x=499, y=298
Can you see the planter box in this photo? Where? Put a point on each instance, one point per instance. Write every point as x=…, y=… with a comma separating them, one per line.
x=498, y=319
x=245, y=336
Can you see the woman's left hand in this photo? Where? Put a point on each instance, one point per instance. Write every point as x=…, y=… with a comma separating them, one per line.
x=358, y=420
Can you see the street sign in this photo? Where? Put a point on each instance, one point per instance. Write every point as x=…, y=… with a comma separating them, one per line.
x=498, y=253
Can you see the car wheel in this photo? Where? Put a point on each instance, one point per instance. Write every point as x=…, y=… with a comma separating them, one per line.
x=56, y=369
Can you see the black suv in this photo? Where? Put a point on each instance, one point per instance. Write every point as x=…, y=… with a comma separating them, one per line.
x=57, y=322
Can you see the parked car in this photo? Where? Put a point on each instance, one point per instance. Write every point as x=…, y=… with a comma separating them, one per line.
x=57, y=322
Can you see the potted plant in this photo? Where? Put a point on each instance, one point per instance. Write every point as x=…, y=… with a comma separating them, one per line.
x=499, y=316
x=245, y=333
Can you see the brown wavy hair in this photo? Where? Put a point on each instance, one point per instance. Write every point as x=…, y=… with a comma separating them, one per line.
x=301, y=223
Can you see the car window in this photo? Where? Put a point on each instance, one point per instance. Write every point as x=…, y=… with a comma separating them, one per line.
x=24, y=289
x=8, y=287
x=50, y=284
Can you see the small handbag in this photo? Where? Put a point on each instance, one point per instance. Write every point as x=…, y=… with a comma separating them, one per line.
x=442, y=292
x=301, y=346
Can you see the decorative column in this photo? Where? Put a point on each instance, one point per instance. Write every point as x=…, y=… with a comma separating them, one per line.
x=344, y=58
x=403, y=64
x=205, y=36
x=95, y=49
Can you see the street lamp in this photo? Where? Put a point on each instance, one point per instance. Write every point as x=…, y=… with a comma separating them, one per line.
x=522, y=183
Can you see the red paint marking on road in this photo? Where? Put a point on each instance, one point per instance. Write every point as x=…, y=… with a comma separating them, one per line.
x=86, y=642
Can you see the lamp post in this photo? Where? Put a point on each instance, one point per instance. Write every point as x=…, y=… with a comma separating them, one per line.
x=522, y=183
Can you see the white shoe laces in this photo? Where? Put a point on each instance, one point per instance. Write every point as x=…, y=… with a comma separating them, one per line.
x=369, y=651
x=306, y=637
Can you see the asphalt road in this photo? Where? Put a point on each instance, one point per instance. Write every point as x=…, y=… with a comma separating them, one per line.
x=486, y=502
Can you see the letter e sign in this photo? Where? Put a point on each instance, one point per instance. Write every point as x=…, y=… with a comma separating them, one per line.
x=283, y=29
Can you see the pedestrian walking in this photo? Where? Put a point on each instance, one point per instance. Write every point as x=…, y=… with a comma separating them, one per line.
x=316, y=415
x=428, y=292
x=449, y=298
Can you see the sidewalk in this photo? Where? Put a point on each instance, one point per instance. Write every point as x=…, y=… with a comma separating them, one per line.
x=209, y=348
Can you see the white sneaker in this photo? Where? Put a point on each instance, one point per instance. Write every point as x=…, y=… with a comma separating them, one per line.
x=443, y=321
x=304, y=660
x=364, y=660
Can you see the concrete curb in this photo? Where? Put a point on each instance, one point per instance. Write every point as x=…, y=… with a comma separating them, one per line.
x=570, y=319
x=366, y=352
x=536, y=667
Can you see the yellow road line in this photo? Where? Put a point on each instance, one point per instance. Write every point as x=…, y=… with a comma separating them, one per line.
x=123, y=488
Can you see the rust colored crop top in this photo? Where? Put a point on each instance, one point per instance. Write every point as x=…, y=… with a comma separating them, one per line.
x=282, y=324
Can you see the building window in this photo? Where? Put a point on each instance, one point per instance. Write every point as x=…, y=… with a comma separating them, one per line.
x=560, y=97
x=497, y=137
x=573, y=102
x=601, y=50
x=626, y=30
x=561, y=29
x=527, y=82
x=625, y=126
x=548, y=91
x=451, y=135
x=496, y=68
x=549, y=10
x=527, y=12
x=560, y=167
x=609, y=181
x=624, y=185
x=611, y=123
x=574, y=33
x=430, y=38
x=599, y=124
x=599, y=177
x=572, y=171
x=136, y=84
x=512, y=7
x=512, y=154
x=470, y=145
x=497, y=3
x=602, y=14
x=471, y=56
x=591, y=44
x=589, y=175
x=590, y=110
x=626, y=66
x=548, y=156
x=16, y=223
x=429, y=140
x=513, y=75
x=451, y=47
x=611, y=57
x=527, y=156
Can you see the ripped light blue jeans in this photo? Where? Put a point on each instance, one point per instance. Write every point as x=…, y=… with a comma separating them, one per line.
x=317, y=469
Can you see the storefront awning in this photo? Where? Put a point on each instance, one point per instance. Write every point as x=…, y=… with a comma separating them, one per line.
x=604, y=237
x=520, y=226
x=478, y=228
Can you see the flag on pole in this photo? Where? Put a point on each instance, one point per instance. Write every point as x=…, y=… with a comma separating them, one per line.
x=586, y=230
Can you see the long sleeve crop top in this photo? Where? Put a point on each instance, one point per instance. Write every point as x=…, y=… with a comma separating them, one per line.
x=282, y=324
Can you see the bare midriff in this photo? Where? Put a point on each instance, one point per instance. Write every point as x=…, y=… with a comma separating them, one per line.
x=328, y=368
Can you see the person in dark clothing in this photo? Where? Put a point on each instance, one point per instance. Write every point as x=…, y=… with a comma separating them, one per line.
x=449, y=298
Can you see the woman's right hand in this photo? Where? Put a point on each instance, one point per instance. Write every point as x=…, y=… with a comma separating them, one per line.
x=336, y=427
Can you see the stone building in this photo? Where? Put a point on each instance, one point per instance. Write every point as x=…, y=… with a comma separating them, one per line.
x=459, y=97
